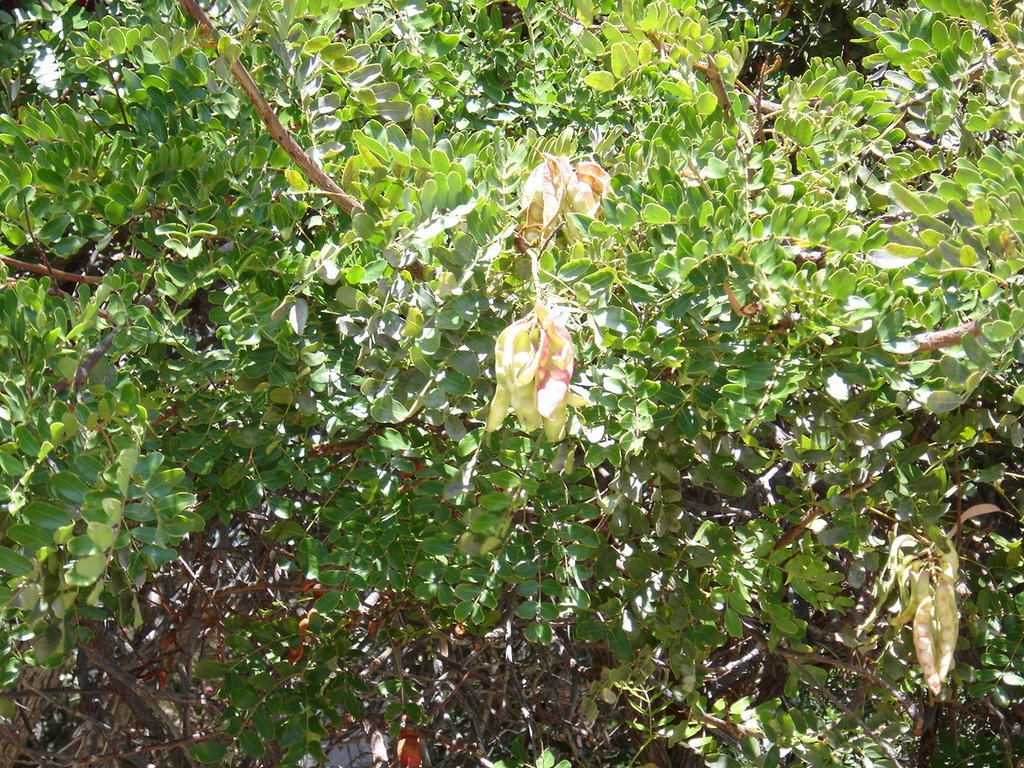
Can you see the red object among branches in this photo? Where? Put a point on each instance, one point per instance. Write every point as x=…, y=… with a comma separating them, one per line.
x=409, y=748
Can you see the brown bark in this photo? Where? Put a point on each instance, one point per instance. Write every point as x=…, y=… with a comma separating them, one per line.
x=57, y=274
x=277, y=131
x=934, y=340
x=15, y=738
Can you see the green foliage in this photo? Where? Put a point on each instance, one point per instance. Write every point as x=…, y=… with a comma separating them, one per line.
x=233, y=403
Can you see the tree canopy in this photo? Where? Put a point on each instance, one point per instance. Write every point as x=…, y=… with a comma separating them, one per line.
x=594, y=382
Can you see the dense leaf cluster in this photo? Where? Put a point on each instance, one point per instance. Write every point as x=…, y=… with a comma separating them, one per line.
x=252, y=512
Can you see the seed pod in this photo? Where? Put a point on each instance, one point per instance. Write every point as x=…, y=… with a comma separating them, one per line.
x=554, y=424
x=595, y=177
x=524, y=356
x=504, y=356
x=499, y=408
x=524, y=403
x=552, y=191
x=924, y=644
x=947, y=623
x=534, y=361
x=950, y=562
x=554, y=376
x=920, y=587
x=543, y=194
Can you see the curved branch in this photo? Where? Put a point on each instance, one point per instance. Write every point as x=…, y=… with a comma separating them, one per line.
x=933, y=340
x=277, y=131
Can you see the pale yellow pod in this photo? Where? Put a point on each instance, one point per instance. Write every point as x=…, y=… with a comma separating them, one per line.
x=950, y=562
x=510, y=342
x=554, y=426
x=924, y=644
x=501, y=360
x=528, y=357
x=920, y=588
x=947, y=624
x=499, y=408
x=524, y=403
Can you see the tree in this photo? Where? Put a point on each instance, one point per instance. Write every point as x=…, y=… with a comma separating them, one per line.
x=258, y=259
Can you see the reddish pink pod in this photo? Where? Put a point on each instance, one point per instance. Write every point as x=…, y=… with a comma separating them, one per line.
x=553, y=384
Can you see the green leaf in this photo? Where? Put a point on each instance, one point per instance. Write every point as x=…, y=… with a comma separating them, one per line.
x=296, y=179
x=591, y=43
x=45, y=515
x=886, y=260
x=707, y=103
x=316, y=44
x=208, y=669
x=208, y=752
x=908, y=200
x=13, y=563
x=88, y=569
x=101, y=534
x=539, y=632
x=251, y=743
x=29, y=536
x=624, y=59
x=396, y=111
x=69, y=487
x=387, y=410
x=656, y=214
x=616, y=319
x=941, y=401
x=733, y=623
x=998, y=330
x=601, y=81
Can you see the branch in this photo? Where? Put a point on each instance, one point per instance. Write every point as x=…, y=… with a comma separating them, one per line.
x=933, y=340
x=807, y=675
x=905, y=702
x=814, y=512
x=790, y=535
x=95, y=355
x=713, y=74
x=41, y=269
x=742, y=310
x=277, y=131
x=187, y=741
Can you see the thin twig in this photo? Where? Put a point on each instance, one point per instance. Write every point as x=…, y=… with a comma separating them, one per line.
x=809, y=517
x=176, y=744
x=743, y=310
x=695, y=170
x=95, y=355
x=849, y=713
x=35, y=241
x=535, y=264
x=117, y=93
x=907, y=704
x=713, y=75
x=814, y=512
x=277, y=131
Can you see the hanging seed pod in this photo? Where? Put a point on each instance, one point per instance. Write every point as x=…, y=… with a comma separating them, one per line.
x=553, y=190
x=556, y=367
x=924, y=644
x=534, y=361
x=947, y=614
x=505, y=350
x=920, y=586
x=543, y=195
x=947, y=624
